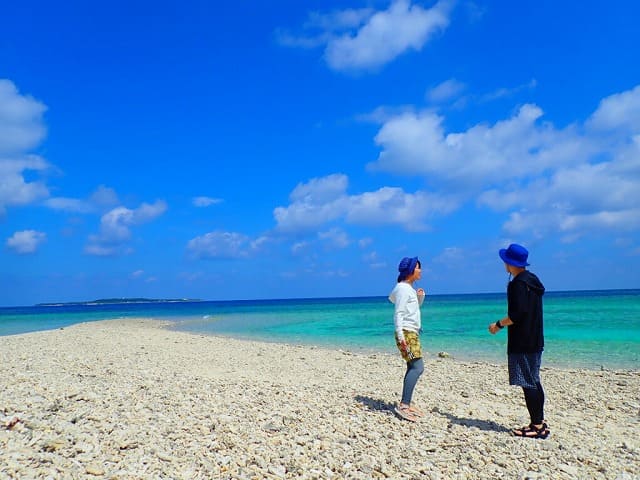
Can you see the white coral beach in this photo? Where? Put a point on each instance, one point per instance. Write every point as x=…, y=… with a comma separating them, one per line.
x=130, y=399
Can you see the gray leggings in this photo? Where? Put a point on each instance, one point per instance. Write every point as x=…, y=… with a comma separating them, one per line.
x=414, y=370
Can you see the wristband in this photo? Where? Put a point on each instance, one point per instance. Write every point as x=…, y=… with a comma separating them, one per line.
x=498, y=325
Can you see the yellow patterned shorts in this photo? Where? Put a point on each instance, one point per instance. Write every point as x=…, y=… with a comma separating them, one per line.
x=413, y=342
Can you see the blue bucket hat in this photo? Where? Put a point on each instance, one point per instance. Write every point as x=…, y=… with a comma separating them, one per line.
x=515, y=255
x=406, y=267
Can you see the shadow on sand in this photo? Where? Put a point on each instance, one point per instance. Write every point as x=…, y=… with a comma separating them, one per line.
x=374, y=404
x=377, y=405
x=485, y=425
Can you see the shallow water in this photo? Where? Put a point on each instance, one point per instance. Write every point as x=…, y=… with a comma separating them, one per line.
x=583, y=329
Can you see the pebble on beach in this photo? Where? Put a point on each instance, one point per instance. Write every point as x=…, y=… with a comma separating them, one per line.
x=125, y=399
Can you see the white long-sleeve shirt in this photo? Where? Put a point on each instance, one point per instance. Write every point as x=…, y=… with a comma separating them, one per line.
x=407, y=309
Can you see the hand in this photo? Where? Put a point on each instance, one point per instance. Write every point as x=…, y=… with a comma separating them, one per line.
x=403, y=346
x=421, y=292
x=493, y=328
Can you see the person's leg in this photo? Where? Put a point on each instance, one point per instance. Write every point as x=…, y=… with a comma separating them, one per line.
x=541, y=390
x=414, y=370
x=534, y=398
x=524, y=371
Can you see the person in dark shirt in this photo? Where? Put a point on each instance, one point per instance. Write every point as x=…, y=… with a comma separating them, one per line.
x=525, y=336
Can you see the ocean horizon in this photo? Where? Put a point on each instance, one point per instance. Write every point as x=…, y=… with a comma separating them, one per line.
x=591, y=329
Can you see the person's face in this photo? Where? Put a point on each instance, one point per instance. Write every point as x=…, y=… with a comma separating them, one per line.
x=417, y=273
x=510, y=268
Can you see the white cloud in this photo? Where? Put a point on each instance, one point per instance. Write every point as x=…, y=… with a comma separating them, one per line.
x=574, y=180
x=340, y=20
x=373, y=260
x=69, y=205
x=453, y=91
x=365, y=39
x=451, y=255
x=260, y=242
x=315, y=203
x=114, y=225
x=335, y=237
x=445, y=91
x=619, y=112
x=325, y=200
x=386, y=35
x=324, y=26
x=21, y=123
x=206, y=201
x=103, y=250
x=103, y=197
x=320, y=190
x=137, y=274
x=22, y=128
x=595, y=196
x=115, y=228
x=391, y=205
x=416, y=143
x=507, y=92
x=287, y=39
x=14, y=189
x=26, y=241
x=220, y=245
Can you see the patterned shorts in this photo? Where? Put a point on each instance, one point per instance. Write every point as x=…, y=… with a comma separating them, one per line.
x=524, y=369
x=413, y=342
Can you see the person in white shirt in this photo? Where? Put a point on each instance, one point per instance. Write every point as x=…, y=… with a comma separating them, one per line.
x=408, y=324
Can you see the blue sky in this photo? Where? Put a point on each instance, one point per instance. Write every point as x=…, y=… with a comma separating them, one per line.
x=243, y=150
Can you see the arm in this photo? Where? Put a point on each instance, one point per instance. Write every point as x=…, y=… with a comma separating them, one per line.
x=400, y=312
x=515, y=292
x=421, y=294
x=499, y=325
x=517, y=302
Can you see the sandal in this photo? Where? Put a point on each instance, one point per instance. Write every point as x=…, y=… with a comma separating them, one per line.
x=404, y=411
x=416, y=411
x=531, y=431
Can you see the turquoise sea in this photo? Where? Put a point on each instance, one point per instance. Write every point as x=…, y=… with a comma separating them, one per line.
x=583, y=329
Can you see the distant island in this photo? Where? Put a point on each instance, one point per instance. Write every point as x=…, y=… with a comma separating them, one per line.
x=116, y=301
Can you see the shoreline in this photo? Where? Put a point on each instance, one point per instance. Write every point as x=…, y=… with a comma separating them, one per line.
x=453, y=355
x=132, y=398
x=462, y=355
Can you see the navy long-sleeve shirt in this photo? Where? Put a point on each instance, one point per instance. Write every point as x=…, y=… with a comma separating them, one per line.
x=524, y=299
